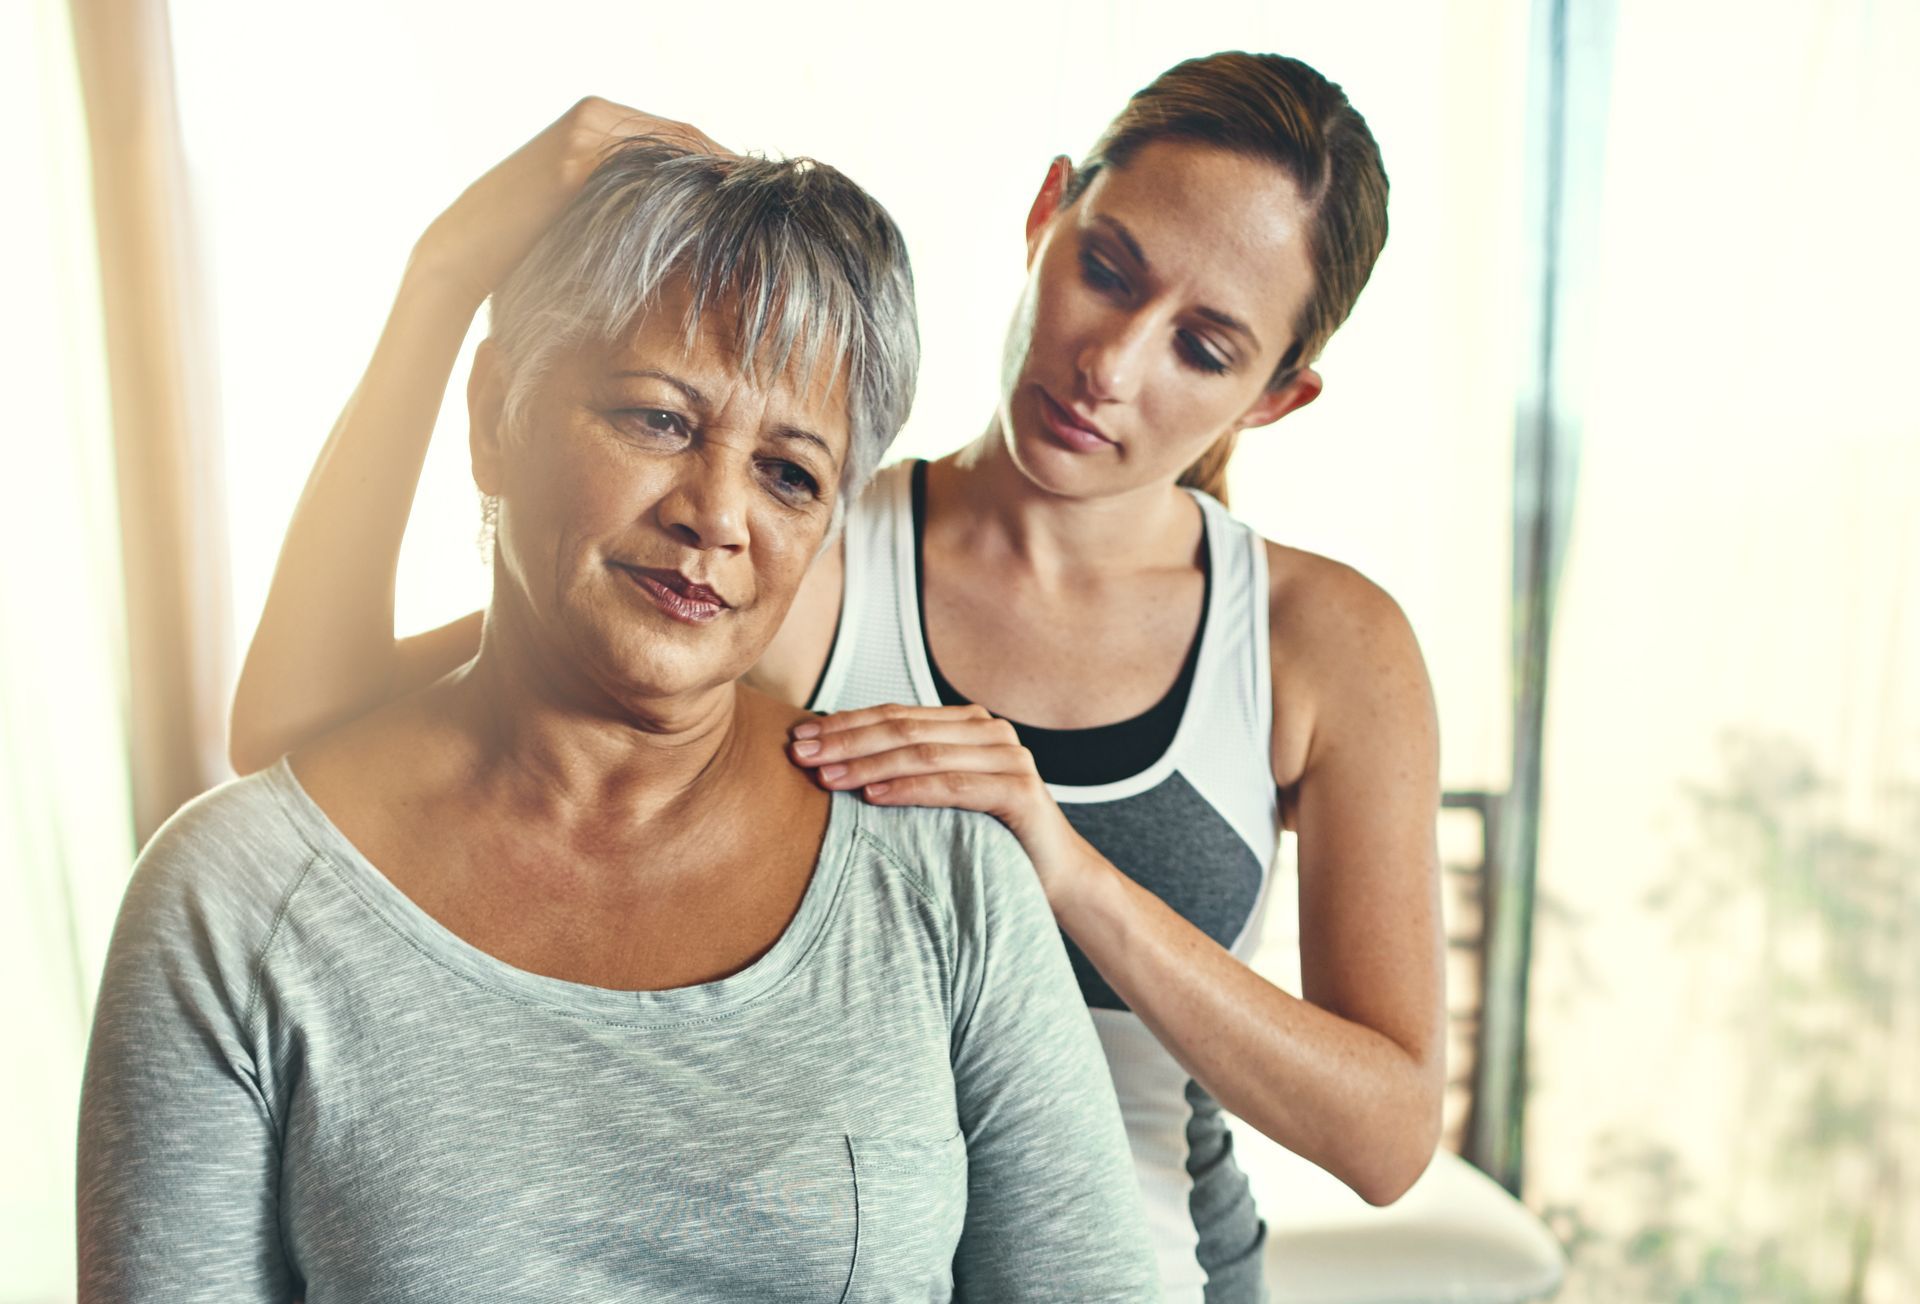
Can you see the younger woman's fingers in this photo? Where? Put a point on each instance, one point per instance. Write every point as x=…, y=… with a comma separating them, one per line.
x=987, y=793
x=896, y=733
x=843, y=720
x=927, y=759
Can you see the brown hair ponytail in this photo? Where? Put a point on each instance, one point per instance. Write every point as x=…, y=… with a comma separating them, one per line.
x=1208, y=474
x=1270, y=107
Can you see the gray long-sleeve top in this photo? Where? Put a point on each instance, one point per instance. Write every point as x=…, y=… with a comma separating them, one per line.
x=300, y=1085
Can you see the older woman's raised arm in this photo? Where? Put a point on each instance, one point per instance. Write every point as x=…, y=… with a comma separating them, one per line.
x=324, y=651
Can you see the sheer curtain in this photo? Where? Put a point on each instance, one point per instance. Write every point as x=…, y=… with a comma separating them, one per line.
x=66, y=826
x=1726, y=1021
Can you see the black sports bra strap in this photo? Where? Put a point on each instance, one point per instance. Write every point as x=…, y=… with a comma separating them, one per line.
x=1105, y=753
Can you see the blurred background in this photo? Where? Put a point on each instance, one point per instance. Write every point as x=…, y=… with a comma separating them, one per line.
x=1625, y=420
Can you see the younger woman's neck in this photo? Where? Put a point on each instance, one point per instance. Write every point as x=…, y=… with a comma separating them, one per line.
x=1057, y=537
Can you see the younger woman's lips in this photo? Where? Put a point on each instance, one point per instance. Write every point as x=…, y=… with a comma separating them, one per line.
x=1065, y=428
x=673, y=593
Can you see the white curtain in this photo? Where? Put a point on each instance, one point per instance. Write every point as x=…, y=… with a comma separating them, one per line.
x=1726, y=1016
x=66, y=823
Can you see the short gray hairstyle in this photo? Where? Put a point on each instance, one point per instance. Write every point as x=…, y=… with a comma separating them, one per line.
x=814, y=263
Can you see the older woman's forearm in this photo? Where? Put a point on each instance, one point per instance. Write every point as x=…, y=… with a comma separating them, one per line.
x=324, y=649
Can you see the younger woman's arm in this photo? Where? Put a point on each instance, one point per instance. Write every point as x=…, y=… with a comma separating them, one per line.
x=324, y=651
x=1350, y=1077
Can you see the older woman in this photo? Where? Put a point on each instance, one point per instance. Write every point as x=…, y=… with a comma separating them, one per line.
x=556, y=980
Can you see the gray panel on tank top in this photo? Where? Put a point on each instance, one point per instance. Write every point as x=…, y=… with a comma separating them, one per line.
x=1232, y=1235
x=1171, y=841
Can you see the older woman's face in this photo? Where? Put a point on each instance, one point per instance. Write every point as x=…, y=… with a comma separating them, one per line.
x=658, y=508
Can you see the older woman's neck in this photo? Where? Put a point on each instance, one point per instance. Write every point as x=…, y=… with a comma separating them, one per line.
x=557, y=750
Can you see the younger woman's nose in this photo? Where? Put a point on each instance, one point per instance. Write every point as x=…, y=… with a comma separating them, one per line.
x=1110, y=362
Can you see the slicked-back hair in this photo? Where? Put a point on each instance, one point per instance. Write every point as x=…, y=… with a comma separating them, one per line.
x=1283, y=112
x=813, y=266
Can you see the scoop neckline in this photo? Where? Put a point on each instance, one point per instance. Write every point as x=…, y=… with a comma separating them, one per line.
x=672, y=1005
x=1202, y=653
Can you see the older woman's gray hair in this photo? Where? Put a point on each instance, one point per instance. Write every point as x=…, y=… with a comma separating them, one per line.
x=817, y=268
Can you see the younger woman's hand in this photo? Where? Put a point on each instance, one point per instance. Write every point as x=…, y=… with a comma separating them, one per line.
x=470, y=248
x=957, y=756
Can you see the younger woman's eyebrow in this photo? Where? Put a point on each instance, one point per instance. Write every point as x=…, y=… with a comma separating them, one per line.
x=1119, y=231
x=1232, y=323
x=1124, y=236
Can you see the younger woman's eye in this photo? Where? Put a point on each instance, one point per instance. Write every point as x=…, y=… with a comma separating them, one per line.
x=1200, y=355
x=793, y=481
x=1100, y=276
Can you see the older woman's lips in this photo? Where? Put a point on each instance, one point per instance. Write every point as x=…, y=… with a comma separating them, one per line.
x=675, y=594
x=1069, y=429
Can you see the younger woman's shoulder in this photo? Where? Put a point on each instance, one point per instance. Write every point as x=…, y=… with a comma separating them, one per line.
x=1326, y=607
x=1343, y=657
x=1344, y=660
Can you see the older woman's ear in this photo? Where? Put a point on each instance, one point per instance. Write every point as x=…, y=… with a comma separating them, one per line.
x=486, y=406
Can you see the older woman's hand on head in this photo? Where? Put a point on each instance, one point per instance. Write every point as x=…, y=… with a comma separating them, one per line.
x=482, y=236
x=325, y=650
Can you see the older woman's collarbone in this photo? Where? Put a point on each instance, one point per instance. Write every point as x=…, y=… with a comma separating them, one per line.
x=685, y=910
x=612, y=901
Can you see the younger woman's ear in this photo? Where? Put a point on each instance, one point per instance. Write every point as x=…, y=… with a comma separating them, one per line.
x=1275, y=403
x=486, y=401
x=1053, y=191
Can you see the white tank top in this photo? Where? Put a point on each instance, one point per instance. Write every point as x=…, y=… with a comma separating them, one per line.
x=1198, y=827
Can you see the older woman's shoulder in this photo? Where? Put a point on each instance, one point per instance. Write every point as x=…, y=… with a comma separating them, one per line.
x=959, y=857
x=224, y=862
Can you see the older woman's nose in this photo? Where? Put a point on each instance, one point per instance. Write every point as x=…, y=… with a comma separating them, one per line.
x=707, y=505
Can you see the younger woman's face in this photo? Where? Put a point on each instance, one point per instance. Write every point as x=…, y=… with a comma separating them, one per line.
x=1156, y=310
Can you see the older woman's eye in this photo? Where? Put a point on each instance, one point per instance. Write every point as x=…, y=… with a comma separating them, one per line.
x=792, y=481
x=656, y=422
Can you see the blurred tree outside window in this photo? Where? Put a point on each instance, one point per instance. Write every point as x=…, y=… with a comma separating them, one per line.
x=1725, y=1029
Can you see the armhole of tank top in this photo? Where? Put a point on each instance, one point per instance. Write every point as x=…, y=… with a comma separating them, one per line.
x=1253, y=931
x=846, y=633
x=1262, y=604
x=903, y=538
